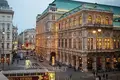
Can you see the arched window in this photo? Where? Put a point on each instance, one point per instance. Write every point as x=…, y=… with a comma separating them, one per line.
x=98, y=20
x=89, y=19
x=106, y=20
x=80, y=20
x=74, y=20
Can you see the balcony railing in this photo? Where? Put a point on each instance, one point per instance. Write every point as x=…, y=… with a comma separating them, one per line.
x=103, y=50
x=98, y=25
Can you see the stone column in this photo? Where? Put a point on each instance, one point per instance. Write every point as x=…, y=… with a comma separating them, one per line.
x=94, y=64
x=112, y=62
x=84, y=43
x=57, y=56
x=103, y=62
x=77, y=63
x=60, y=60
x=84, y=63
x=67, y=63
x=64, y=58
x=72, y=61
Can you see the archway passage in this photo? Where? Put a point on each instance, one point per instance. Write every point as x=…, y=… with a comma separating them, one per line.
x=52, y=58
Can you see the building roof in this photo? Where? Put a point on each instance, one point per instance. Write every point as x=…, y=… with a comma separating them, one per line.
x=5, y=8
x=4, y=3
x=86, y=7
x=70, y=5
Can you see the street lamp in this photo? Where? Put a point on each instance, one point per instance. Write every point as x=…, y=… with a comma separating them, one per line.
x=3, y=48
x=96, y=32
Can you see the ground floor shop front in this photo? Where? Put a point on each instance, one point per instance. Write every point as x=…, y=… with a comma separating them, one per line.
x=90, y=61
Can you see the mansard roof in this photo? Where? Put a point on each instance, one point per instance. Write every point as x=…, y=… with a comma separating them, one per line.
x=70, y=5
x=4, y=4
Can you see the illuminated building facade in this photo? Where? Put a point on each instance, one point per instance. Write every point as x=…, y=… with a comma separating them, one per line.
x=86, y=37
x=27, y=39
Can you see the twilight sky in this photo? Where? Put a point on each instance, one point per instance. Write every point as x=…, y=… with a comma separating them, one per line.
x=27, y=10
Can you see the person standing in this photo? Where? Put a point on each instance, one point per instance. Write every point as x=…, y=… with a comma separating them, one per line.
x=106, y=76
x=103, y=76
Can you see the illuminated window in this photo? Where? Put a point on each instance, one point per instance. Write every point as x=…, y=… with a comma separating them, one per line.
x=107, y=21
x=116, y=44
x=80, y=20
x=98, y=20
x=89, y=19
x=107, y=43
x=90, y=43
x=99, y=43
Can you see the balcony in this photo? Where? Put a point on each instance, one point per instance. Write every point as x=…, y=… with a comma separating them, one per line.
x=98, y=25
x=102, y=50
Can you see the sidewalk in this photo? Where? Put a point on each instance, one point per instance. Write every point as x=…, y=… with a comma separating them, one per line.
x=13, y=66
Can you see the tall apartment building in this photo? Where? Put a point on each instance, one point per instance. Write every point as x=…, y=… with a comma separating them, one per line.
x=85, y=36
x=6, y=26
x=27, y=39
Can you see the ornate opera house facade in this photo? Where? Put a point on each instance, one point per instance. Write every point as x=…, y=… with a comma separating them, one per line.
x=85, y=38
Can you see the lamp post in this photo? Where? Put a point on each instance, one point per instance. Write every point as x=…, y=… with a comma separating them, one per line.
x=3, y=48
x=96, y=33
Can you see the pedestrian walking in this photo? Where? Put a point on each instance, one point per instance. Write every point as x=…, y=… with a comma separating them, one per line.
x=99, y=77
x=93, y=73
x=103, y=76
x=106, y=76
x=8, y=63
x=70, y=76
x=96, y=78
x=17, y=61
